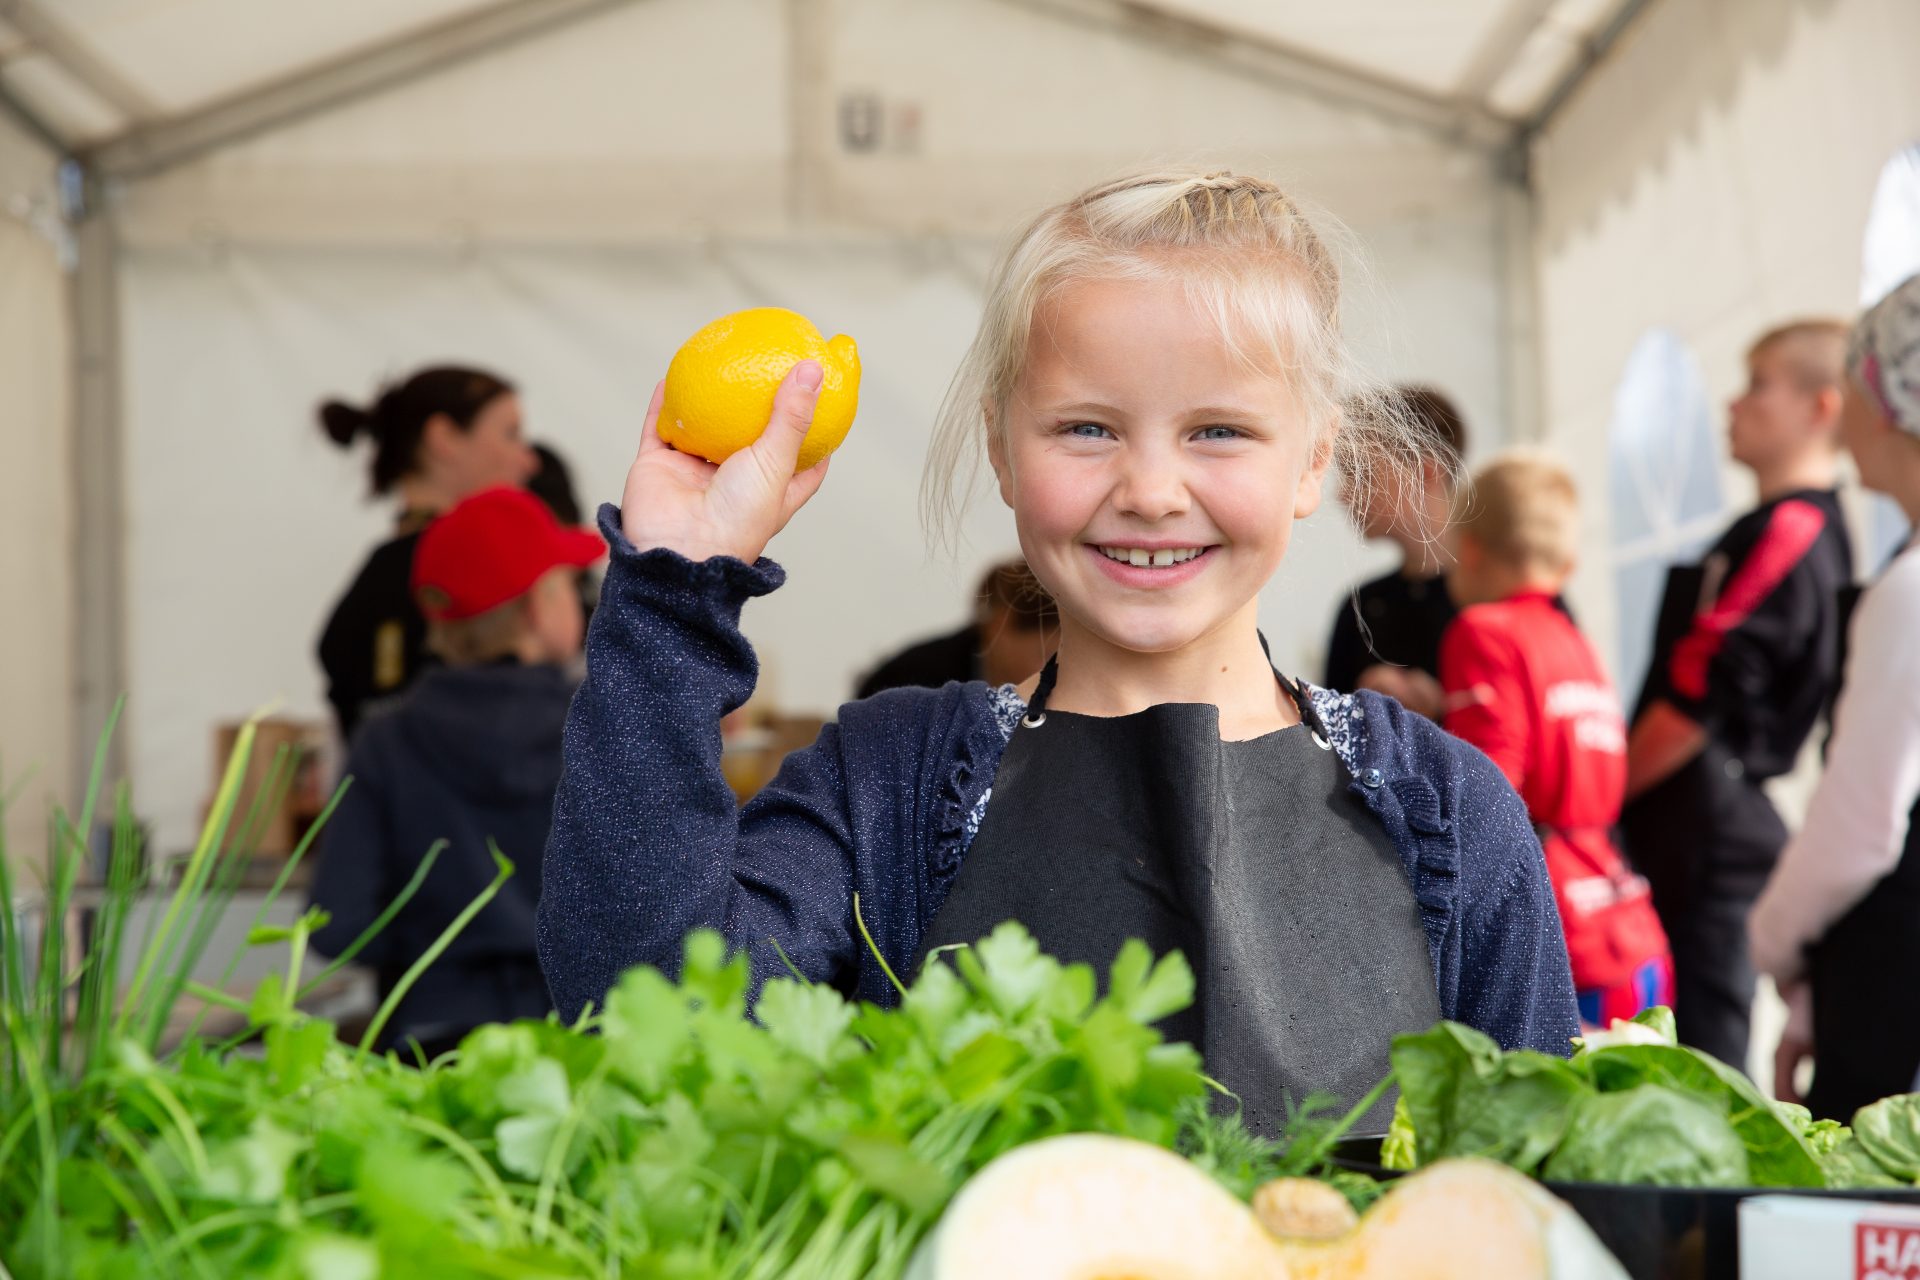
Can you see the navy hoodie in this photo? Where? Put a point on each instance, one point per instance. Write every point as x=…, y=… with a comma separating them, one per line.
x=470, y=755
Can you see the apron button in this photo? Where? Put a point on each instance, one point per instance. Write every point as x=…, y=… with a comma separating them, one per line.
x=1372, y=778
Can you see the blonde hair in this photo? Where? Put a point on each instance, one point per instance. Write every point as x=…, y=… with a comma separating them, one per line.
x=1251, y=261
x=1815, y=351
x=485, y=637
x=1524, y=509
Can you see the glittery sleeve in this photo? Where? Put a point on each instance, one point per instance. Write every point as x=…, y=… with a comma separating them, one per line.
x=647, y=842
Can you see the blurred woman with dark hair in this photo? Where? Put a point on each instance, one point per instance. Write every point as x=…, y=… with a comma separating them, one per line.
x=438, y=436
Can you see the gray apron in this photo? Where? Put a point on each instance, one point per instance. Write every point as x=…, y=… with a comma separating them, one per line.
x=1252, y=858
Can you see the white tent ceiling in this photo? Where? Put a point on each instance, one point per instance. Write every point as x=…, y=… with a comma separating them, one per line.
x=94, y=73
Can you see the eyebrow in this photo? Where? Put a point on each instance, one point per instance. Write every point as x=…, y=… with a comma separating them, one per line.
x=1203, y=411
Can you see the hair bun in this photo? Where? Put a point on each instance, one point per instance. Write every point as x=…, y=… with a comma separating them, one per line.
x=342, y=421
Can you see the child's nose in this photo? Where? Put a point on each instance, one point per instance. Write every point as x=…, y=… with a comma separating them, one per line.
x=1151, y=490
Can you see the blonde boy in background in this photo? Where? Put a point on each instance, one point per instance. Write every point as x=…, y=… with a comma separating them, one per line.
x=1745, y=661
x=1523, y=685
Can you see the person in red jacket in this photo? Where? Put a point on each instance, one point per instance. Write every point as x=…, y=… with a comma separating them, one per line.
x=1524, y=686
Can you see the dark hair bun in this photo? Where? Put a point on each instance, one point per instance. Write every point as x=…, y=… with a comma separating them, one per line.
x=398, y=418
x=342, y=422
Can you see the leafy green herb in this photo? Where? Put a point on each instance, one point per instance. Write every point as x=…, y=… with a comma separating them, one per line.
x=1242, y=1161
x=671, y=1136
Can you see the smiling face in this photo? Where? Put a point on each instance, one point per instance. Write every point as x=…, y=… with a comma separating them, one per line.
x=1153, y=477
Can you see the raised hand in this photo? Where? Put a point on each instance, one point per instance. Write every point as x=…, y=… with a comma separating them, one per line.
x=700, y=510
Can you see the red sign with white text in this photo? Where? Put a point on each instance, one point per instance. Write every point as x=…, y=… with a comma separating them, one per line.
x=1882, y=1252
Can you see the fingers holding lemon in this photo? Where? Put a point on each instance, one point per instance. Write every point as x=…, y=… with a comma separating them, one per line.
x=720, y=387
x=761, y=372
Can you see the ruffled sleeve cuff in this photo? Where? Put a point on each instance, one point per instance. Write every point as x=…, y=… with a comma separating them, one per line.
x=662, y=571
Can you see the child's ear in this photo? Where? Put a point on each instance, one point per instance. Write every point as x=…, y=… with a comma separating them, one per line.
x=1313, y=480
x=997, y=453
x=1827, y=405
x=1468, y=551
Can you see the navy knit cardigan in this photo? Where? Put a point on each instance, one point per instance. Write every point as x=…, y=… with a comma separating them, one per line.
x=647, y=842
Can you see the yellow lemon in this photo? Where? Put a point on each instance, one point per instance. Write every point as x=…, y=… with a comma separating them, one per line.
x=720, y=385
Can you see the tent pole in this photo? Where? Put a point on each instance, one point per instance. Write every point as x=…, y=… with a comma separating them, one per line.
x=1599, y=46
x=1274, y=64
x=154, y=147
x=28, y=119
x=99, y=548
x=52, y=40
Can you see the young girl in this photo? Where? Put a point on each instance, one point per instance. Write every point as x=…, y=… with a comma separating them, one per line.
x=1158, y=381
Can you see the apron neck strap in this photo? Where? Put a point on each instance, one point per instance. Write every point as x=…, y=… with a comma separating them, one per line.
x=1037, y=704
x=1309, y=716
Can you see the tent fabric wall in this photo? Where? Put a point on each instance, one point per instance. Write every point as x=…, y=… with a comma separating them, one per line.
x=678, y=119
x=36, y=519
x=1712, y=178
x=574, y=239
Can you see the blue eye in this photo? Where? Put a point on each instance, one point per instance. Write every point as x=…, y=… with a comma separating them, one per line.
x=1219, y=433
x=1087, y=430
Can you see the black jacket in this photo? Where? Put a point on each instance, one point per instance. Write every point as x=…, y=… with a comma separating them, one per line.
x=470, y=755
x=375, y=641
x=1754, y=656
x=930, y=664
x=1393, y=619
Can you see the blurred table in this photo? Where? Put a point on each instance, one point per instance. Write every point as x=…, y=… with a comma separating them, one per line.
x=751, y=754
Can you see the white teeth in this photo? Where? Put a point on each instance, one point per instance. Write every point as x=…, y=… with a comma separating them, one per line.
x=1161, y=558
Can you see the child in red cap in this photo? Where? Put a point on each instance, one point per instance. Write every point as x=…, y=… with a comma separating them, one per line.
x=471, y=756
x=1523, y=685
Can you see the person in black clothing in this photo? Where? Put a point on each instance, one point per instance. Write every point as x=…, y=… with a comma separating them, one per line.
x=438, y=436
x=470, y=756
x=1387, y=637
x=552, y=483
x=1746, y=659
x=1013, y=632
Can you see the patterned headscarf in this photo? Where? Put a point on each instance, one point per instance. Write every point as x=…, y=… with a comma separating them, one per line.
x=1885, y=356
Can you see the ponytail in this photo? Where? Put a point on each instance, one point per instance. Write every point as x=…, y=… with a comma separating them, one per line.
x=398, y=419
x=343, y=422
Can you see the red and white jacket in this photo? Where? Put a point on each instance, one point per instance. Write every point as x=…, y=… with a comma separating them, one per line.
x=1525, y=687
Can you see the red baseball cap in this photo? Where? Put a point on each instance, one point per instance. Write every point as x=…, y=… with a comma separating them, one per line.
x=492, y=548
